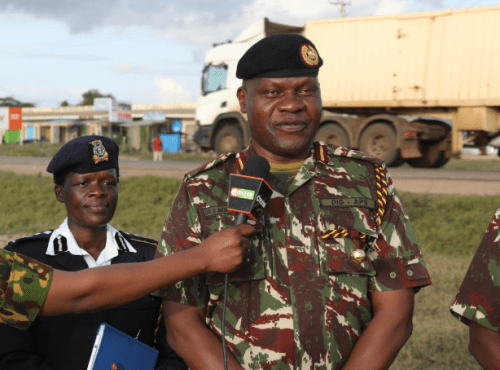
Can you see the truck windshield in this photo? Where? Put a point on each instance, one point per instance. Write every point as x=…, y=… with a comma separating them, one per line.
x=214, y=78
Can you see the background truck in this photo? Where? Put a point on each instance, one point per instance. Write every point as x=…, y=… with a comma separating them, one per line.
x=413, y=87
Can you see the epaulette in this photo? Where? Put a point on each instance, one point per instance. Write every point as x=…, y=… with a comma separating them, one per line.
x=323, y=152
x=139, y=239
x=38, y=236
x=209, y=165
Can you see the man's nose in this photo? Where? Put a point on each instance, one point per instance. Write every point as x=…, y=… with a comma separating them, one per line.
x=97, y=190
x=291, y=102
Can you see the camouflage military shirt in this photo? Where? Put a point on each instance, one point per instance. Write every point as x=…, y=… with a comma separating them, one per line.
x=478, y=298
x=24, y=284
x=299, y=300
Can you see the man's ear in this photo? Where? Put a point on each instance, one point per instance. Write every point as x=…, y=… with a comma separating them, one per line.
x=59, y=192
x=241, y=94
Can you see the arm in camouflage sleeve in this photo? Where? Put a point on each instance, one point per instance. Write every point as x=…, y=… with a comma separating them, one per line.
x=105, y=287
x=396, y=257
x=24, y=284
x=477, y=303
x=55, y=292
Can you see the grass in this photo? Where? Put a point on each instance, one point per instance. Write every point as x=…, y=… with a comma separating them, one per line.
x=450, y=225
x=449, y=229
x=31, y=206
x=439, y=341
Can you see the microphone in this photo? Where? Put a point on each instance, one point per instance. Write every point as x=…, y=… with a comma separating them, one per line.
x=249, y=192
x=248, y=196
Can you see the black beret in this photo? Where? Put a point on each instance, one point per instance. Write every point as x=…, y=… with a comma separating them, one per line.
x=85, y=154
x=280, y=55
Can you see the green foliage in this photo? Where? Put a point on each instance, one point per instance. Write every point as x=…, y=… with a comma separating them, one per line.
x=64, y=103
x=9, y=101
x=450, y=225
x=89, y=96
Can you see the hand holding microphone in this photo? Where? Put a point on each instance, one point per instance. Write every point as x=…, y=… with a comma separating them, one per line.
x=224, y=251
x=248, y=196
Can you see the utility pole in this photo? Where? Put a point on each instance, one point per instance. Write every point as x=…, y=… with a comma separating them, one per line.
x=342, y=4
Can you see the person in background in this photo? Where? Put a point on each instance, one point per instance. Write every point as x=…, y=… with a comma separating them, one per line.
x=86, y=181
x=477, y=303
x=330, y=277
x=157, y=149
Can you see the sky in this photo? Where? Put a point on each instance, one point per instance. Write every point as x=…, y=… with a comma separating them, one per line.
x=144, y=51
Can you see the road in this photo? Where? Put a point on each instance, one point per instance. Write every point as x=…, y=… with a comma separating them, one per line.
x=437, y=181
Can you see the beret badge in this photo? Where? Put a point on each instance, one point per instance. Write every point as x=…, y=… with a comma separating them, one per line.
x=100, y=153
x=309, y=55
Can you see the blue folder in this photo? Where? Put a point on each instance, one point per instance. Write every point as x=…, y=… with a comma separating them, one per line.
x=111, y=345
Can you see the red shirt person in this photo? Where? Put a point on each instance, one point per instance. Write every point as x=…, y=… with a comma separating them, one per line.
x=157, y=149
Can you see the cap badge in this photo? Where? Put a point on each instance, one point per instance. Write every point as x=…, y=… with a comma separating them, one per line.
x=309, y=55
x=100, y=153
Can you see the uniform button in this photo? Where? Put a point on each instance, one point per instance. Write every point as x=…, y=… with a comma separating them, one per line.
x=178, y=285
x=392, y=275
x=409, y=273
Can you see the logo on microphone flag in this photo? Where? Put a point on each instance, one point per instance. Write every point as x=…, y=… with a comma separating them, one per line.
x=242, y=193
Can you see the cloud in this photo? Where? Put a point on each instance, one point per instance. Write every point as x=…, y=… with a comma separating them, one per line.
x=79, y=15
x=171, y=91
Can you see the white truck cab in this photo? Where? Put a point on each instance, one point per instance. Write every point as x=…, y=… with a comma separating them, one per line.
x=221, y=125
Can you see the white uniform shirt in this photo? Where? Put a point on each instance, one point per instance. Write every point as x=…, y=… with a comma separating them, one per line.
x=107, y=254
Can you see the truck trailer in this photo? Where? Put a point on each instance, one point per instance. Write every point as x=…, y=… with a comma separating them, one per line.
x=415, y=87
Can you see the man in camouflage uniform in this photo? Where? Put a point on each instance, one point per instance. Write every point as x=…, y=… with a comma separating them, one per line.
x=332, y=253
x=477, y=303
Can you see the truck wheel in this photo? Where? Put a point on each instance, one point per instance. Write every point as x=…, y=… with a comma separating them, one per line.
x=432, y=157
x=379, y=140
x=228, y=139
x=332, y=133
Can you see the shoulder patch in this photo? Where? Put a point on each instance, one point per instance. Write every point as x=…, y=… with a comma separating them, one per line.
x=139, y=238
x=38, y=236
x=340, y=151
x=209, y=165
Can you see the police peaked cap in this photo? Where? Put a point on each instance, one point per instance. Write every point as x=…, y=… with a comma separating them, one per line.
x=85, y=154
x=280, y=55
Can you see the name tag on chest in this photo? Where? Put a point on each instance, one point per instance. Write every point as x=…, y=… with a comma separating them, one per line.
x=348, y=202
